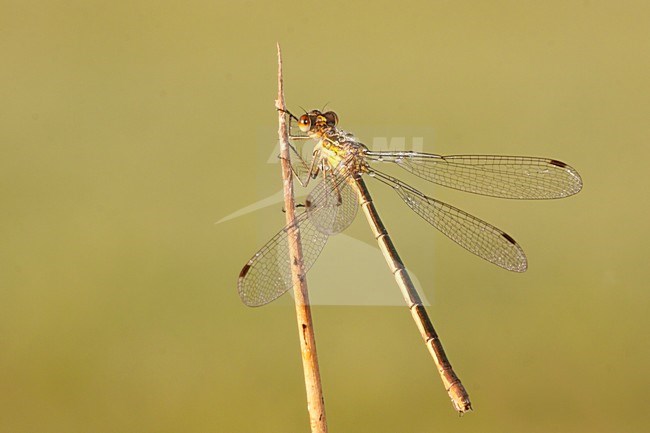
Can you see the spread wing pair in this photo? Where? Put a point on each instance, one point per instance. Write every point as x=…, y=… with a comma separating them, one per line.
x=332, y=205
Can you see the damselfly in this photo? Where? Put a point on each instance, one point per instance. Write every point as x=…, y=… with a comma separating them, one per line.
x=341, y=160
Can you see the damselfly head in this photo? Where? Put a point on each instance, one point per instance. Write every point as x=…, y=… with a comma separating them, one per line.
x=315, y=120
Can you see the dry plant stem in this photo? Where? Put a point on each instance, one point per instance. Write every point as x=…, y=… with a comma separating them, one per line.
x=315, y=402
x=452, y=383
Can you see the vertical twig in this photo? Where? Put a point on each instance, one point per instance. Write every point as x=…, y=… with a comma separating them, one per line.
x=315, y=402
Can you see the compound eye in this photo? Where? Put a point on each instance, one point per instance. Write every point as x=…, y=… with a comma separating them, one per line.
x=331, y=118
x=304, y=123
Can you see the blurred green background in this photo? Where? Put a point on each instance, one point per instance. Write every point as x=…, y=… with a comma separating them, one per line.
x=127, y=129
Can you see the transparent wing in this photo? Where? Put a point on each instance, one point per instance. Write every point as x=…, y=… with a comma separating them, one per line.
x=516, y=177
x=267, y=275
x=470, y=232
x=330, y=208
x=337, y=195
